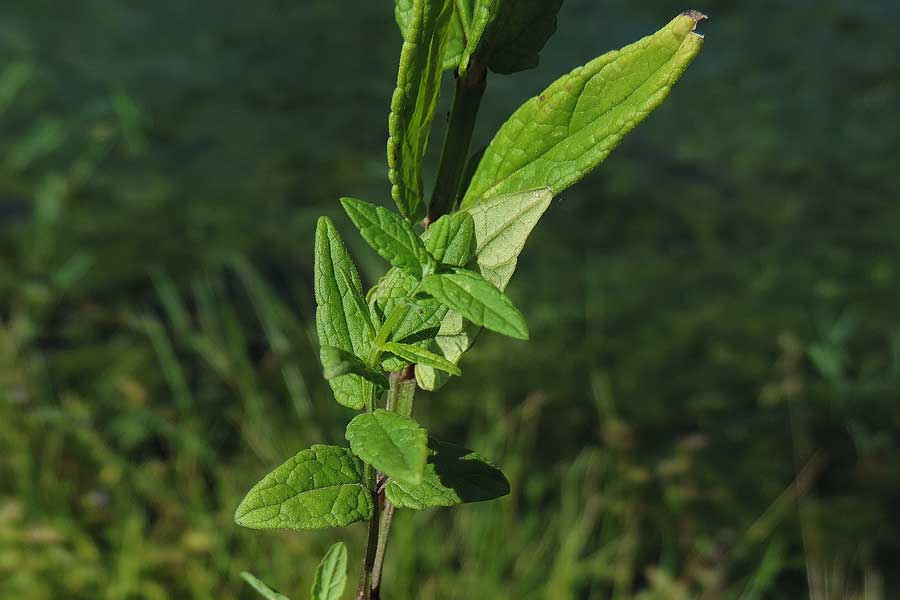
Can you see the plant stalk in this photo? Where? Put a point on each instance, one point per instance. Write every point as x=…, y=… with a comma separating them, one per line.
x=400, y=394
x=455, y=154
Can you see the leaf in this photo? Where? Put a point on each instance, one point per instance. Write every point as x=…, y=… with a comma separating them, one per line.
x=342, y=318
x=338, y=363
x=264, y=590
x=456, y=36
x=420, y=322
x=415, y=100
x=320, y=487
x=331, y=575
x=508, y=35
x=420, y=356
x=555, y=139
x=393, y=444
x=389, y=235
x=454, y=475
x=477, y=300
x=451, y=239
x=502, y=226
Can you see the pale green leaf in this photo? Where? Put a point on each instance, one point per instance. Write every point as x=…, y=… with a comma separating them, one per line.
x=264, y=590
x=455, y=336
x=415, y=100
x=339, y=363
x=342, y=317
x=502, y=226
x=556, y=138
x=451, y=239
x=393, y=444
x=478, y=300
x=508, y=35
x=453, y=475
x=318, y=488
x=331, y=575
x=421, y=356
x=389, y=235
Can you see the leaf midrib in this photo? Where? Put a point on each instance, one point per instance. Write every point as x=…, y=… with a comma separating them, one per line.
x=570, y=134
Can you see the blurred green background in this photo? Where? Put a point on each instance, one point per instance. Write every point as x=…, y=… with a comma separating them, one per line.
x=708, y=407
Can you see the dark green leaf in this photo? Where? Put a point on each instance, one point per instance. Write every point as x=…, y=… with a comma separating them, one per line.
x=508, y=35
x=342, y=318
x=478, y=300
x=453, y=475
x=421, y=356
x=393, y=444
x=318, y=488
x=389, y=235
x=451, y=239
x=338, y=363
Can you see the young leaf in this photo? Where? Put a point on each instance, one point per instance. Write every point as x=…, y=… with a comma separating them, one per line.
x=502, y=226
x=453, y=475
x=338, y=363
x=420, y=356
x=555, y=139
x=424, y=315
x=264, y=590
x=342, y=318
x=451, y=239
x=389, y=235
x=393, y=444
x=456, y=37
x=510, y=34
x=320, y=487
x=454, y=337
x=331, y=575
x=415, y=100
x=478, y=300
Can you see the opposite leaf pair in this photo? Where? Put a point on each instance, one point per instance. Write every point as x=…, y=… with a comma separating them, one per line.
x=328, y=486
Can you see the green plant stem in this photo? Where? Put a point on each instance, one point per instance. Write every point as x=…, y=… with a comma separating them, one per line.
x=400, y=395
x=455, y=153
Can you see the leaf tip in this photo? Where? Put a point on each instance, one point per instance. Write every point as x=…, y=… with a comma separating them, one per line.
x=240, y=513
x=695, y=16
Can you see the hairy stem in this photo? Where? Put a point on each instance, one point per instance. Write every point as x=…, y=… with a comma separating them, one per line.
x=400, y=395
x=455, y=153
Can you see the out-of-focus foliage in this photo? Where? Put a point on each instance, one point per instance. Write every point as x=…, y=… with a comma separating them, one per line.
x=712, y=407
